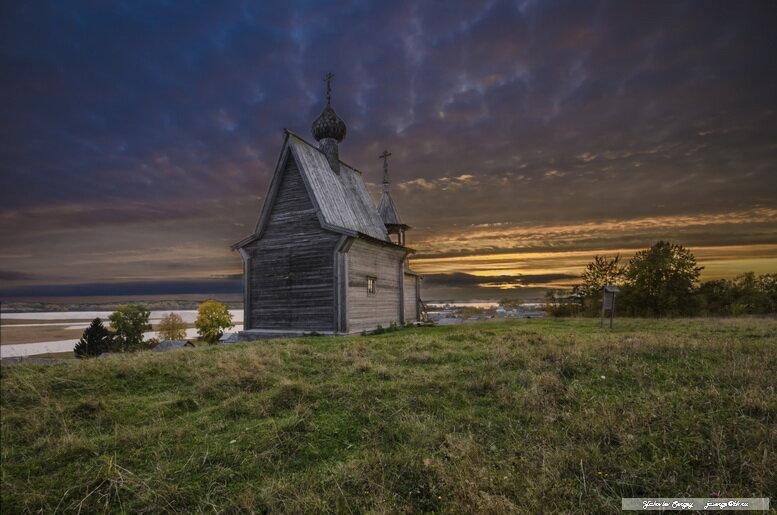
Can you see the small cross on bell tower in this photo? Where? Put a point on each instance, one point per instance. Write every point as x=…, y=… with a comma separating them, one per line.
x=385, y=155
x=387, y=209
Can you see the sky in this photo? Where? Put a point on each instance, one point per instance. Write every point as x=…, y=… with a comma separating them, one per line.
x=138, y=138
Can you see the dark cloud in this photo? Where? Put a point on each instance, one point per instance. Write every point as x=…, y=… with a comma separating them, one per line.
x=127, y=288
x=461, y=280
x=10, y=275
x=128, y=126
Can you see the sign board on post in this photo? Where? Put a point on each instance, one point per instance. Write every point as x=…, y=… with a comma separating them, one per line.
x=608, y=303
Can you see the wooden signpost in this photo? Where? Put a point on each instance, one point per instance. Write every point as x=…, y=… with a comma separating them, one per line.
x=608, y=303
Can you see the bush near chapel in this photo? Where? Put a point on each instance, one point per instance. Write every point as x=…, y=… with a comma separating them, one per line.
x=172, y=327
x=212, y=318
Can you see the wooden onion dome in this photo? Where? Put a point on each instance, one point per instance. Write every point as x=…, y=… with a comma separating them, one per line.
x=329, y=129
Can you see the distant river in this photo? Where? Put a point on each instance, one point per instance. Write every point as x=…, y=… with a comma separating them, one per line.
x=46, y=318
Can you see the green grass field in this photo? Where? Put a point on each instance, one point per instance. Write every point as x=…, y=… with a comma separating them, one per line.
x=511, y=416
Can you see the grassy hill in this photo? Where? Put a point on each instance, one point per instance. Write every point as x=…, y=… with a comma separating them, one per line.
x=518, y=415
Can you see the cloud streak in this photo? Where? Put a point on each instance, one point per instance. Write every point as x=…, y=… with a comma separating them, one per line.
x=462, y=280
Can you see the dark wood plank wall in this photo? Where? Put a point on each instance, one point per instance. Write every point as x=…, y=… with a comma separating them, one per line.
x=411, y=298
x=366, y=311
x=291, y=266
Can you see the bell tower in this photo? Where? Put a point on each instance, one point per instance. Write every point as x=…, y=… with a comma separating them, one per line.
x=388, y=211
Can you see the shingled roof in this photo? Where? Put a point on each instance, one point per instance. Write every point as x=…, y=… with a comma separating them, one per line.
x=388, y=211
x=341, y=199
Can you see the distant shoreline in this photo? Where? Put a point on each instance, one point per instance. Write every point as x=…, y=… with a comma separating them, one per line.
x=74, y=304
x=166, y=302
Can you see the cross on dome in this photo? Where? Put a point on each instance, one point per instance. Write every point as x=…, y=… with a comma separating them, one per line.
x=328, y=79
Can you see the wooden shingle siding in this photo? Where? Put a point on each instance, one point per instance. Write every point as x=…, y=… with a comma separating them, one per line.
x=367, y=311
x=411, y=298
x=291, y=266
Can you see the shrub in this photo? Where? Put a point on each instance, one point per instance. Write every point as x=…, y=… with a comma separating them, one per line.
x=212, y=318
x=129, y=323
x=563, y=309
x=95, y=340
x=172, y=327
x=510, y=303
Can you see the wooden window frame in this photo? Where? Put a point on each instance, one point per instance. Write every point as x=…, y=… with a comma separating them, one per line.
x=372, y=285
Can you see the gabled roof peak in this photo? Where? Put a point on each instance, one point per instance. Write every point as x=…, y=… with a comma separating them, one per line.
x=306, y=142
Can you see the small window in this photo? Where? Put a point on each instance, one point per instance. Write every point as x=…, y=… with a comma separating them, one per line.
x=371, y=285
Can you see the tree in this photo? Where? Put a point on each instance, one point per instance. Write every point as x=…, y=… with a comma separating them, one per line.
x=212, y=318
x=661, y=280
x=510, y=303
x=599, y=273
x=750, y=293
x=129, y=323
x=172, y=327
x=95, y=340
